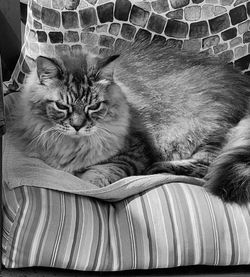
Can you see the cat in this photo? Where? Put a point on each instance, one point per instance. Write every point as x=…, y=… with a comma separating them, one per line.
x=142, y=109
x=229, y=175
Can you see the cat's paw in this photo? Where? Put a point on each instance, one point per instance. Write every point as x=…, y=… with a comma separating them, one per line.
x=94, y=178
x=160, y=167
x=189, y=167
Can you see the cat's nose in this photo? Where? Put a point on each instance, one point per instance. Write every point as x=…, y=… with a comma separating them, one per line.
x=77, y=127
x=77, y=121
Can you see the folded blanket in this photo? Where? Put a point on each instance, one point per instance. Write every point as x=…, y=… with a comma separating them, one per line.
x=20, y=170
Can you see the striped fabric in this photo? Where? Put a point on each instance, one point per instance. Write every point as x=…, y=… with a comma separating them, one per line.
x=167, y=226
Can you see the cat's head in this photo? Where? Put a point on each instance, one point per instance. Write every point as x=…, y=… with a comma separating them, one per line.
x=76, y=95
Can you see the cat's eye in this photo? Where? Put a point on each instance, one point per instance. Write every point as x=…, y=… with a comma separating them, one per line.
x=95, y=106
x=61, y=106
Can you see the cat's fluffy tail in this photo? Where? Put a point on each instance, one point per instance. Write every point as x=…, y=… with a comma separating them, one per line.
x=229, y=175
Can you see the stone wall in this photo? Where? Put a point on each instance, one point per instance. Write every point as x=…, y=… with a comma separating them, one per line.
x=220, y=27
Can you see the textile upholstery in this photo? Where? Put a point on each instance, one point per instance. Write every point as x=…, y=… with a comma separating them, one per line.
x=165, y=225
x=219, y=27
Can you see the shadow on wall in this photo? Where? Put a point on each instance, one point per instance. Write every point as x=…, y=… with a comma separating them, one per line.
x=10, y=29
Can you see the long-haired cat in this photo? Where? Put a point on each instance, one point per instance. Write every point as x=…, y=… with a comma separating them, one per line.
x=143, y=109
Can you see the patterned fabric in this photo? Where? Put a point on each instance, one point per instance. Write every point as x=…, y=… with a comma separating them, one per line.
x=171, y=225
x=219, y=27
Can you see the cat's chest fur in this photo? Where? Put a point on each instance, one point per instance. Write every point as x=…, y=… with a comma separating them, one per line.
x=76, y=155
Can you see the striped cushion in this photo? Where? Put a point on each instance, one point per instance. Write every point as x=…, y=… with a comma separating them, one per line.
x=167, y=226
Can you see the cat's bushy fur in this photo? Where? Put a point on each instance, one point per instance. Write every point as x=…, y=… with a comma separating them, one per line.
x=144, y=109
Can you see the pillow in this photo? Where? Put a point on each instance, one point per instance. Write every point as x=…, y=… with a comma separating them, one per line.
x=171, y=225
x=220, y=28
x=163, y=225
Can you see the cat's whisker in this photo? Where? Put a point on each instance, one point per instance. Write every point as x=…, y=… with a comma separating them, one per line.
x=38, y=137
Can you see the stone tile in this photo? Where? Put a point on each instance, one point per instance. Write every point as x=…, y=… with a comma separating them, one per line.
x=122, y=43
x=177, y=29
x=198, y=29
x=174, y=43
x=238, y=2
x=89, y=38
x=219, y=23
x=76, y=48
x=160, y=6
x=197, y=1
x=114, y=29
x=100, y=2
x=248, y=8
x=219, y=10
x=36, y=10
x=246, y=37
x=106, y=41
x=240, y=51
x=242, y=63
x=156, y=23
x=244, y=27
x=238, y=14
x=71, y=4
x=128, y=31
x=226, y=2
x=71, y=36
x=37, y=25
x=47, y=50
x=41, y=36
x=210, y=41
x=105, y=12
x=220, y=48
x=192, y=45
x=88, y=17
x=32, y=36
x=138, y=16
x=213, y=2
x=83, y=5
x=159, y=39
x=226, y=56
x=122, y=9
x=102, y=28
x=229, y=34
x=143, y=35
x=25, y=67
x=208, y=11
x=176, y=4
x=56, y=37
x=21, y=77
x=192, y=13
x=236, y=41
x=177, y=14
x=105, y=51
x=92, y=2
x=33, y=50
x=207, y=53
x=70, y=20
x=62, y=49
x=144, y=5
x=45, y=3
x=58, y=4
x=51, y=17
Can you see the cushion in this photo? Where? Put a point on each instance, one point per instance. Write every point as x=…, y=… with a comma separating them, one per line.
x=53, y=219
x=171, y=225
x=219, y=28
x=141, y=222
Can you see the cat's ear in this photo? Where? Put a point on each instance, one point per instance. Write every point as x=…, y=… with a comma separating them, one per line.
x=47, y=68
x=106, y=67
